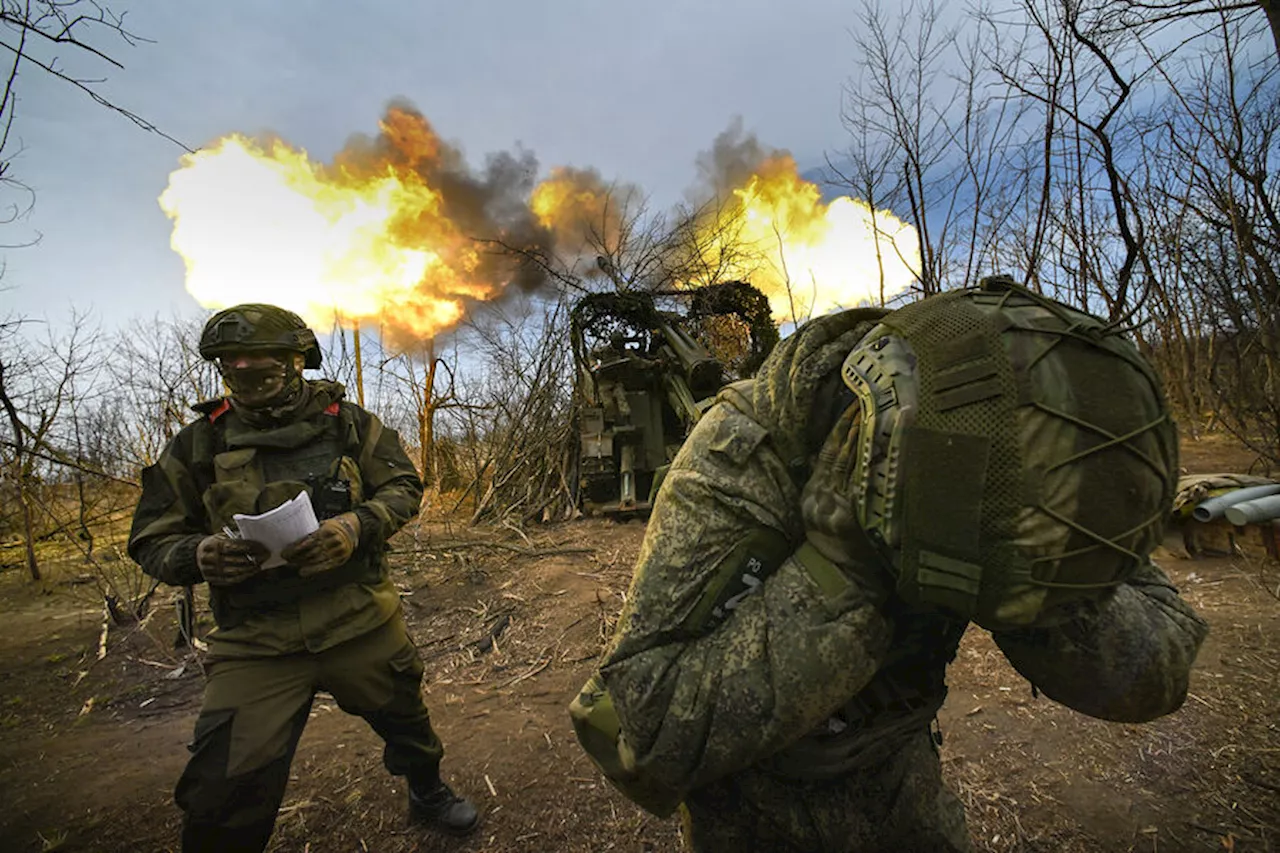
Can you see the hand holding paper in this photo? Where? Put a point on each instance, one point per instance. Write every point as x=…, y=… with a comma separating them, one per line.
x=329, y=547
x=226, y=560
x=279, y=528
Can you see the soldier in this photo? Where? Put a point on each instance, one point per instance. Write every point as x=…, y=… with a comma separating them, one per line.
x=830, y=528
x=329, y=619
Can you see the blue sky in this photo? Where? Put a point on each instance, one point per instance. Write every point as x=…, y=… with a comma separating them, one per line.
x=634, y=90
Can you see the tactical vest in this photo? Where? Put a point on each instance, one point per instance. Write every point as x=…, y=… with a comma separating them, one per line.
x=244, y=470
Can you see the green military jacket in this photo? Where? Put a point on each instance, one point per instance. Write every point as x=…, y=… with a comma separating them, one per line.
x=219, y=465
x=691, y=694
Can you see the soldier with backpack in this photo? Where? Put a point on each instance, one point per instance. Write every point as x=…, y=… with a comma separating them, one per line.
x=829, y=530
x=328, y=619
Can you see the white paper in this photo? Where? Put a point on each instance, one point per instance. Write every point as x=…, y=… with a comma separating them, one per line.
x=280, y=527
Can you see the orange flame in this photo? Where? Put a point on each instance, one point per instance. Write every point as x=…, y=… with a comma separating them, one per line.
x=580, y=209
x=808, y=256
x=388, y=231
x=773, y=230
x=364, y=239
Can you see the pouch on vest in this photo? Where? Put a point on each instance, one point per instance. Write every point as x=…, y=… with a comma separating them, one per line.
x=237, y=483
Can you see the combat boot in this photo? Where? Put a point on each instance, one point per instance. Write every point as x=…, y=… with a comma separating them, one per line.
x=435, y=804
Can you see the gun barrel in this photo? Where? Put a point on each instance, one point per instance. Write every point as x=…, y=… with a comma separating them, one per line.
x=701, y=370
x=1255, y=511
x=1216, y=507
x=681, y=398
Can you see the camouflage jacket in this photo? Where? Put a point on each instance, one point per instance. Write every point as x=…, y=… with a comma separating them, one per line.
x=219, y=465
x=780, y=679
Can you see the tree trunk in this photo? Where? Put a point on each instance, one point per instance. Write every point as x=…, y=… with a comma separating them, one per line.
x=20, y=478
x=355, y=340
x=82, y=497
x=82, y=516
x=1272, y=9
x=28, y=529
x=426, y=420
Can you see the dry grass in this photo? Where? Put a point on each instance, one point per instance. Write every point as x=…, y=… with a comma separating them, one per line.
x=510, y=625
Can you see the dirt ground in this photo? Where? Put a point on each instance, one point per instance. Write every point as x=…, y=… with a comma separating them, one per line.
x=509, y=628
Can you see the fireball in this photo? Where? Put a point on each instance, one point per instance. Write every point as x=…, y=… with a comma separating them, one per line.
x=773, y=230
x=364, y=239
x=809, y=256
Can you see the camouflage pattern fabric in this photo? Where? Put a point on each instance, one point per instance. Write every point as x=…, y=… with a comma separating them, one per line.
x=898, y=804
x=254, y=713
x=708, y=702
x=1127, y=658
x=695, y=706
x=797, y=393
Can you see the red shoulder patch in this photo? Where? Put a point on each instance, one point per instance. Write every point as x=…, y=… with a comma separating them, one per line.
x=222, y=409
x=333, y=408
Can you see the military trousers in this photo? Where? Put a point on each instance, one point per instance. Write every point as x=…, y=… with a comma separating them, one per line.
x=897, y=804
x=253, y=715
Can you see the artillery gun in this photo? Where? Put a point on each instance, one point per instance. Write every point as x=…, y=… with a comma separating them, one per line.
x=643, y=378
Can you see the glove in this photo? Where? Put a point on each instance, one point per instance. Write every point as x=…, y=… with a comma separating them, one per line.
x=830, y=515
x=328, y=547
x=224, y=561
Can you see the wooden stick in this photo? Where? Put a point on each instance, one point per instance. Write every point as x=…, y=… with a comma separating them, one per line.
x=106, y=626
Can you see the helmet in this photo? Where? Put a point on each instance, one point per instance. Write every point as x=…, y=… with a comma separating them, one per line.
x=1016, y=455
x=255, y=326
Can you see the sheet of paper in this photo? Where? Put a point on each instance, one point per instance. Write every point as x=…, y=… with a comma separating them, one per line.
x=280, y=527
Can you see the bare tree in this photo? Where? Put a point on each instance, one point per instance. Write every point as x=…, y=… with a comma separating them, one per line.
x=41, y=36
x=900, y=63
x=515, y=414
x=156, y=374
x=1121, y=155
x=1089, y=88
x=932, y=134
x=1211, y=150
x=422, y=381
x=19, y=459
x=37, y=386
x=616, y=241
x=1148, y=16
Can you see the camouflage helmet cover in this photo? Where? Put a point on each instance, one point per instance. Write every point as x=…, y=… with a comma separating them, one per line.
x=1016, y=455
x=257, y=326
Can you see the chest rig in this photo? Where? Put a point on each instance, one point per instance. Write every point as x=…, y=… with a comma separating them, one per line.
x=247, y=470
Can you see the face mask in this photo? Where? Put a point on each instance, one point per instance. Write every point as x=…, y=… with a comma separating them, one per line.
x=258, y=380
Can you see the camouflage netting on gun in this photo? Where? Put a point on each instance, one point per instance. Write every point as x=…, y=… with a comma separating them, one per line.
x=740, y=301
